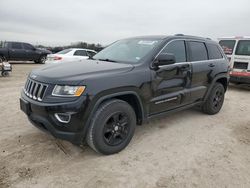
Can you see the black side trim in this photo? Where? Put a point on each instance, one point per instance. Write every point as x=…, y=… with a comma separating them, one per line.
x=174, y=110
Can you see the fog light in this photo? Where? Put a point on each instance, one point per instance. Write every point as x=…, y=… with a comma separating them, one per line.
x=63, y=117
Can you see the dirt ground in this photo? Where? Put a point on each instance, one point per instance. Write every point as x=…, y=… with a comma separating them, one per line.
x=186, y=149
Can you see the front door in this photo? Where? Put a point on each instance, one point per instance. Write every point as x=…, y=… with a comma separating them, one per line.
x=30, y=52
x=170, y=83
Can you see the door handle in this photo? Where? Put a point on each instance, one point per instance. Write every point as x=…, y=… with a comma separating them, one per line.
x=184, y=67
x=211, y=65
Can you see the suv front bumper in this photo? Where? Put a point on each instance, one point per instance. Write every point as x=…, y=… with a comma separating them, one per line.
x=42, y=115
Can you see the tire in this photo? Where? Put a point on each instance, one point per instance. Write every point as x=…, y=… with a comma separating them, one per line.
x=215, y=100
x=5, y=73
x=41, y=60
x=2, y=59
x=112, y=127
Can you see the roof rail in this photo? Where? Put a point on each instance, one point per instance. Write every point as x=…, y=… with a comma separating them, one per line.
x=179, y=34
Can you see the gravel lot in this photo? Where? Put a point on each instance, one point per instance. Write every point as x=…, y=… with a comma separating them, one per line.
x=186, y=149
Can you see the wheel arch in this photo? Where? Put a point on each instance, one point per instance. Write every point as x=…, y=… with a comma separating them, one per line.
x=223, y=81
x=131, y=97
x=221, y=78
x=134, y=102
x=42, y=55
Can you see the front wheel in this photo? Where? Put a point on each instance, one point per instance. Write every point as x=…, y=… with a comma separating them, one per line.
x=112, y=127
x=2, y=59
x=215, y=100
x=5, y=73
x=42, y=59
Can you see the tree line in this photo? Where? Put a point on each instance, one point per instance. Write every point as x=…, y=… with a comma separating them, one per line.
x=97, y=47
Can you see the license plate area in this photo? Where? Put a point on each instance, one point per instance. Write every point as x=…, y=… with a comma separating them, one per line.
x=25, y=106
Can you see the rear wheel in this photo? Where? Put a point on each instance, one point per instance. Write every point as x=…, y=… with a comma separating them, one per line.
x=215, y=100
x=112, y=127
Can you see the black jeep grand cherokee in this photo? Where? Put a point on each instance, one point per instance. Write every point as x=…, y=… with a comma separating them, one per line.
x=132, y=80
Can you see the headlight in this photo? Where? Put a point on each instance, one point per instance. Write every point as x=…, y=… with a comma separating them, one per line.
x=68, y=91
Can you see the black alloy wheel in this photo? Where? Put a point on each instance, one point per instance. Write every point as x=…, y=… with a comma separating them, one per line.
x=215, y=99
x=112, y=127
x=116, y=128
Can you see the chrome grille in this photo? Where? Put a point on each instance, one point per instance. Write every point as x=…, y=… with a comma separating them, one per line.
x=35, y=90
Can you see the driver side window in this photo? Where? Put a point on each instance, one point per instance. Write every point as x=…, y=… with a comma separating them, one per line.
x=177, y=48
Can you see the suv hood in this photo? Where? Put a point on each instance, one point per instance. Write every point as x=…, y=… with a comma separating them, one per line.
x=43, y=51
x=75, y=72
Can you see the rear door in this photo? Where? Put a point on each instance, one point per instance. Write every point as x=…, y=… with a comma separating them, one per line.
x=171, y=83
x=202, y=69
x=16, y=51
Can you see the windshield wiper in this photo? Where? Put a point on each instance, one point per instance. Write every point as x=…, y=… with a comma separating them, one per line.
x=109, y=60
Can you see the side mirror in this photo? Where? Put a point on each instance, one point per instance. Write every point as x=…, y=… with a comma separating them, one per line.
x=164, y=59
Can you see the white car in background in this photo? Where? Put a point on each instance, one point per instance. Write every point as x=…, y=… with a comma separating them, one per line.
x=69, y=55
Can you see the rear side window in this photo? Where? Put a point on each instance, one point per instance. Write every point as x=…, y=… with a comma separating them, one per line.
x=177, y=48
x=243, y=48
x=16, y=45
x=198, y=51
x=27, y=46
x=213, y=51
x=64, y=51
x=227, y=46
x=80, y=53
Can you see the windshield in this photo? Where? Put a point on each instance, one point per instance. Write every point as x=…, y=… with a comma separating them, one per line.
x=227, y=46
x=243, y=48
x=64, y=51
x=127, y=50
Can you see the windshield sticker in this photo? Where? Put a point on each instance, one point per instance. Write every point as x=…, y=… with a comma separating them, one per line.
x=147, y=42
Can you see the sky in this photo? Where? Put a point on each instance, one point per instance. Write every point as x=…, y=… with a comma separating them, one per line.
x=61, y=22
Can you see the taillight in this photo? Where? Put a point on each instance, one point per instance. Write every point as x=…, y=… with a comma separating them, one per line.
x=57, y=58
